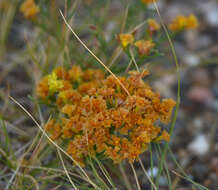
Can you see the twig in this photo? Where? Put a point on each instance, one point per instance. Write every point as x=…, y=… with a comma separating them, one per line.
x=65, y=169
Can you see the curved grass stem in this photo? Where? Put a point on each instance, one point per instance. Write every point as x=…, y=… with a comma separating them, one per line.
x=135, y=175
x=65, y=169
x=143, y=168
x=163, y=155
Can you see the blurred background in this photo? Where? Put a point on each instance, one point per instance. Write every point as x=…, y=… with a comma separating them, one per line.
x=30, y=48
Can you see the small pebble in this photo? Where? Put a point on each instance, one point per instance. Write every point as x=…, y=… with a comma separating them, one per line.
x=191, y=59
x=210, y=11
x=200, y=94
x=212, y=16
x=200, y=145
x=153, y=172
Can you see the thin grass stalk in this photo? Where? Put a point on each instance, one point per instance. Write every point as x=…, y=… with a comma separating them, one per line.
x=151, y=163
x=31, y=178
x=183, y=172
x=178, y=93
x=125, y=178
x=134, y=61
x=143, y=168
x=138, y=26
x=135, y=175
x=16, y=130
x=104, y=171
x=34, y=151
x=54, y=170
x=188, y=179
x=13, y=176
x=7, y=139
x=6, y=23
x=19, y=150
x=128, y=66
x=124, y=19
x=8, y=160
x=65, y=169
x=103, y=184
x=168, y=177
x=117, y=52
x=166, y=168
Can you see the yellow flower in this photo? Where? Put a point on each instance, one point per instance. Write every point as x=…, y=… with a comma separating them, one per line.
x=178, y=23
x=29, y=9
x=153, y=25
x=126, y=39
x=53, y=83
x=181, y=22
x=144, y=46
x=192, y=22
x=148, y=1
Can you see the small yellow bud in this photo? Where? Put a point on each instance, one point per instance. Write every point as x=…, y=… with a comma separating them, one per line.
x=126, y=39
x=53, y=83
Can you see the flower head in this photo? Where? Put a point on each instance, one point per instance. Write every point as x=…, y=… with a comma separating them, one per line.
x=42, y=89
x=126, y=39
x=178, y=23
x=182, y=22
x=153, y=25
x=75, y=73
x=53, y=83
x=144, y=46
x=29, y=9
x=192, y=22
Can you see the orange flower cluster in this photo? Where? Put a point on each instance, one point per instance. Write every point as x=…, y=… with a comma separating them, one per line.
x=181, y=22
x=97, y=116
